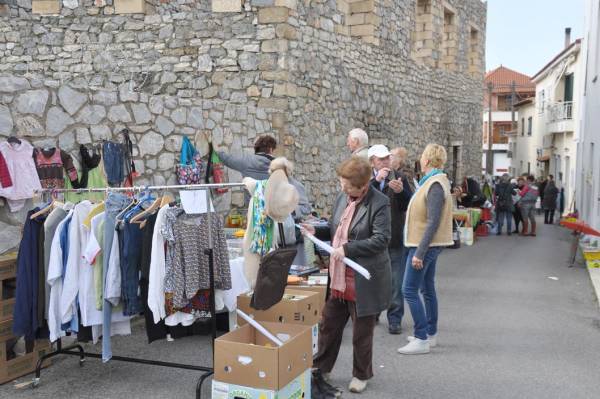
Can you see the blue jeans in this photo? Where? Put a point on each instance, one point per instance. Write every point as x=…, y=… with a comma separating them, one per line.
x=114, y=204
x=130, y=244
x=396, y=309
x=114, y=158
x=500, y=216
x=425, y=318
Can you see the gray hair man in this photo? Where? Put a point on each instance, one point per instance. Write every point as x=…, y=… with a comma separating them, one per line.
x=358, y=143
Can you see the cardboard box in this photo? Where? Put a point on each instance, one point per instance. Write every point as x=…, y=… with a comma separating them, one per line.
x=320, y=289
x=298, y=388
x=247, y=358
x=8, y=266
x=22, y=365
x=298, y=307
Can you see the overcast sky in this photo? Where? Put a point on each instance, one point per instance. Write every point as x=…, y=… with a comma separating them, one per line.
x=525, y=35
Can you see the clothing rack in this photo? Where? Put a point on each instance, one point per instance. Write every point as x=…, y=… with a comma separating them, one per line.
x=207, y=371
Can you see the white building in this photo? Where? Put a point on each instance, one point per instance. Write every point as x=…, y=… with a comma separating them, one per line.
x=588, y=158
x=558, y=92
x=526, y=143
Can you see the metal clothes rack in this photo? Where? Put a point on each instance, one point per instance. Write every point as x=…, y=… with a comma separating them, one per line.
x=207, y=371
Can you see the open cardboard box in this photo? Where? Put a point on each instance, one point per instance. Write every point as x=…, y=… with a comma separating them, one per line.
x=297, y=307
x=247, y=358
x=319, y=289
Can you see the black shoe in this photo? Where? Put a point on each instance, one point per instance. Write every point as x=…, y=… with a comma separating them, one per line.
x=327, y=390
x=499, y=233
x=395, y=329
x=377, y=318
x=509, y=233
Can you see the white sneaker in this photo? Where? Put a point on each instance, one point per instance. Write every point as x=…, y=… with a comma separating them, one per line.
x=431, y=338
x=415, y=347
x=357, y=386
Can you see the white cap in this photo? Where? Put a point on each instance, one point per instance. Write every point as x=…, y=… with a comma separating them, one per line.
x=379, y=151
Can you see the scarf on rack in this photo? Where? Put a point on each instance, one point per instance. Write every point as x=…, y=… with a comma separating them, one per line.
x=262, y=228
x=337, y=269
x=431, y=173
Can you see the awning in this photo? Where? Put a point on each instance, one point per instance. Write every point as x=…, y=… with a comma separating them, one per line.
x=543, y=158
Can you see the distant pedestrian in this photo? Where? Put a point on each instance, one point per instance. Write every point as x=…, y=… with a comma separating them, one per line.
x=549, y=200
x=428, y=230
x=358, y=143
x=503, y=196
x=529, y=195
x=516, y=209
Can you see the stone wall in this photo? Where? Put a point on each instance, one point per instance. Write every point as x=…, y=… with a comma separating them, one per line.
x=287, y=68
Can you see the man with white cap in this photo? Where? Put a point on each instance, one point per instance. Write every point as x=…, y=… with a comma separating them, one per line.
x=358, y=142
x=398, y=190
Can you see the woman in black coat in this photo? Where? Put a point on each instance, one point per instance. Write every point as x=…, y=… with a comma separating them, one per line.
x=360, y=229
x=549, y=200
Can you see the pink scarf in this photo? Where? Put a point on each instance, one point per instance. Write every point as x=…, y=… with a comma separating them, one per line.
x=337, y=269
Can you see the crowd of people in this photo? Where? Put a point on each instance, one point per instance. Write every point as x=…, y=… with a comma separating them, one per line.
x=392, y=225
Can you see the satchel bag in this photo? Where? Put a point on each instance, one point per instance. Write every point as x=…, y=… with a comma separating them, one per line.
x=272, y=276
x=191, y=168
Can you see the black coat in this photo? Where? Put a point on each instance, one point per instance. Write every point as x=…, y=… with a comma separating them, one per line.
x=504, y=200
x=368, y=239
x=398, y=205
x=550, y=195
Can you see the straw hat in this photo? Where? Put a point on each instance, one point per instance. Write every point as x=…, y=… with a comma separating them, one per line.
x=281, y=198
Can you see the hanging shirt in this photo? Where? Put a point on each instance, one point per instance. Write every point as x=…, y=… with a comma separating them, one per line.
x=20, y=163
x=50, y=225
x=50, y=163
x=93, y=255
x=54, y=279
x=156, y=275
x=5, y=179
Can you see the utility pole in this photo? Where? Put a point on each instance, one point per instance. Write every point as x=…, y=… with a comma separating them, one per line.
x=489, y=158
x=513, y=99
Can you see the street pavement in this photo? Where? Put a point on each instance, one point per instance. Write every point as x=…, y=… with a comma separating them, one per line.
x=506, y=330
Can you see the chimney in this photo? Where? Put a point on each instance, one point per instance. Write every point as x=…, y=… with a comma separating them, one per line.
x=567, y=37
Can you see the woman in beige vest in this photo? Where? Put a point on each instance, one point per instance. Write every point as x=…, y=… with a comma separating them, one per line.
x=428, y=229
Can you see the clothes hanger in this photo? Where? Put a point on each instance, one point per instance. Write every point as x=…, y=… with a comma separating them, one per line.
x=53, y=204
x=140, y=217
x=13, y=140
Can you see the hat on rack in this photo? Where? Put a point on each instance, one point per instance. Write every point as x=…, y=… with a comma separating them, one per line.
x=281, y=198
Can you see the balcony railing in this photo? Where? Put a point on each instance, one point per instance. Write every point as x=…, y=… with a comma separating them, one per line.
x=560, y=111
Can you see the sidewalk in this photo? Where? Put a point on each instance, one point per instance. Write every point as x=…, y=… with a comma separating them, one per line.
x=506, y=331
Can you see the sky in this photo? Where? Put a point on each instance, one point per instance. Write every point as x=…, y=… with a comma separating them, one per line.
x=524, y=35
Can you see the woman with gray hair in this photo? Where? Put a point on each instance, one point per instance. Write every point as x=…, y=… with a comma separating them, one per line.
x=503, y=198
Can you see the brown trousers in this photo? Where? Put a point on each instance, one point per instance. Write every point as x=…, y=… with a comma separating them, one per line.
x=335, y=316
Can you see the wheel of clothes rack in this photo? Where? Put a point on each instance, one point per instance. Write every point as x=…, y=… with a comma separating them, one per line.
x=77, y=349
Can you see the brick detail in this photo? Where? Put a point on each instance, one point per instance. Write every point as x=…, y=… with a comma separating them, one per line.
x=45, y=7
x=269, y=15
x=226, y=5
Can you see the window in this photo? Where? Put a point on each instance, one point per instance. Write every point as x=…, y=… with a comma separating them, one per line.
x=528, y=168
x=449, y=40
x=424, y=48
x=474, y=59
x=542, y=97
x=522, y=126
x=529, y=125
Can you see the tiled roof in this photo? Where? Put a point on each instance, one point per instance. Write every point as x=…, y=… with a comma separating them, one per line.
x=502, y=78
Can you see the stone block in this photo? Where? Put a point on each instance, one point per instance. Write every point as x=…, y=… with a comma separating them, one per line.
x=356, y=19
x=362, y=30
x=45, y=7
x=291, y=4
x=371, y=40
x=270, y=15
x=343, y=6
x=275, y=75
x=274, y=46
x=286, y=31
x=372, y=18
x=362, y=6
x=273, y=103
x=342, y=30
x=130, y=6
x=226, y=5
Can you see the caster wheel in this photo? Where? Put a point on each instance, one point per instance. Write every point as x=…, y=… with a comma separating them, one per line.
x=81, y=362
x=35, y=383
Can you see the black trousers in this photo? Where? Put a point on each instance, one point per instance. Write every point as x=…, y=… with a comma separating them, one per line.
x=518, y=218
x=549, y=216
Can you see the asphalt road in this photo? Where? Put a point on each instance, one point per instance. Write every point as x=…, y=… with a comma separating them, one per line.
x=506, y=331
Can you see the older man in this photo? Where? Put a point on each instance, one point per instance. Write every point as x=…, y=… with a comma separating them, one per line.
x=401, y=165
x=358, y=142
x=397, y=188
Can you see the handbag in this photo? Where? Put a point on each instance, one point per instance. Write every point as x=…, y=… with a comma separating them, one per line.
x=272, y=276
x=191, y=168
